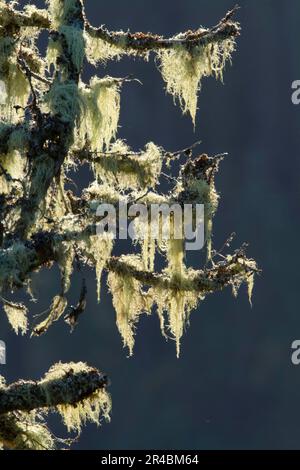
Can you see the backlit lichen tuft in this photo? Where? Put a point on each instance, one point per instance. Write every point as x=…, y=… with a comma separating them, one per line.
x=183, y=69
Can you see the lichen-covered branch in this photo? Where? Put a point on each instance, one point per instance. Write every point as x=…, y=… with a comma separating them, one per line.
x=145, y=42
x=66, y=388
x=140, y=42
x=78, y=392
x=210, y=280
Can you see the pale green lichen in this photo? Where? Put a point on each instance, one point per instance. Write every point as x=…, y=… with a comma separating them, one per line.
x=26, y=431
x=54, y=50
x=99, y=112
x=61, y=11
x=250, y=287
x=99, y=51
x=183, y=70
x=201, y=192
x=15, y=263
x=97, y=250
x=65, y=254
x=125, y=169
x=76, y=45
x=129, y=300
x=63, y=99
x=97, y=193
x=15, y=89
x=13, y=161
x=177, y=305
x=143, y=231
x=17, y=316
x=90, y=408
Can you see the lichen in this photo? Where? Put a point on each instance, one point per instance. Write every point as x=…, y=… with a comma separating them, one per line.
x=76, y=44
x=126, y=169
x=26, y=431
x=250, y=287
x=17, y=316
x=129, y=301
x=54, y=49
x=177, y=305
x=65, y=257
x=183, y=70
x=90, y=408
x=12, y=161
x=201, y=192
x=16, y=84
x=99, y=51
x=15, y=263
x=100, y=110
x=63, y=99
x=97, y=249
x=61, y=11
x=143, y=231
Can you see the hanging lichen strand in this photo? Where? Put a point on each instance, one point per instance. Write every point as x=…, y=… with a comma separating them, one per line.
x=51, y=124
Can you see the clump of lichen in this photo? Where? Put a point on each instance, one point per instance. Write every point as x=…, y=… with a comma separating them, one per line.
x=129, y=300
x=99, y=51
x=17, y=316
x=15, y=82
x=122, y=167
x=12, y=158
x=183, y=69
x=90, y=408
x=100, y=112
x=75, y=390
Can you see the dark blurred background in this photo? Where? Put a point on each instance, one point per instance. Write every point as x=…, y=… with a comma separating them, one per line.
x=234, y=385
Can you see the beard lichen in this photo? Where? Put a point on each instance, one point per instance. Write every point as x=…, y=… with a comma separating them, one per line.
x=202, y=192
x=99, y=51
x=17, y=316
x=16, y=84
x=126, y=169
x=97, y=250
x=25, y=431
x=15, y=262
x=76, y=44
x=90, y=408
x=100, y=110
x=65, y=257
x=62, y=11
x=63, y=99
x=183, y=70
x=129, y=300
x=177, y=304
x=12, y=160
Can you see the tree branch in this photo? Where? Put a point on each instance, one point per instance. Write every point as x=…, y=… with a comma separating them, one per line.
x=41, y=251
x=68, y=389
x=141, y=42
